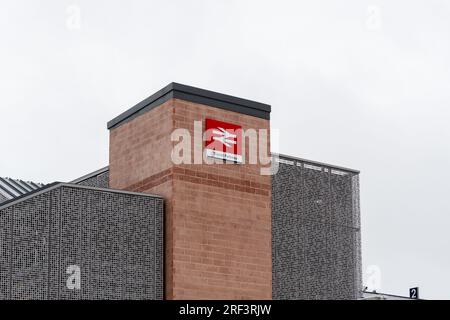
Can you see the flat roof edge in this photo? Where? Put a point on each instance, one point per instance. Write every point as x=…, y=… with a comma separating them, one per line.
x=316, y=163
x=56, y=185
x=91, y=175
x=197, y=95
x=389, y=295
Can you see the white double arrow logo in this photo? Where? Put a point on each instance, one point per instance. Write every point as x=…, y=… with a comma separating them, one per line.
x=224, y=137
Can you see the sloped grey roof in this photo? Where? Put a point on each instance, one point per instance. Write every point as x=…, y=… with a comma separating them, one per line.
x=12, y=188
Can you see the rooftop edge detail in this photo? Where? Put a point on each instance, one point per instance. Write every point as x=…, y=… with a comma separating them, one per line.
x=196, y=95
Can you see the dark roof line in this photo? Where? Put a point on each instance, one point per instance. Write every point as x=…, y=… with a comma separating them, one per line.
x=26, y=186
x=316, y=163
x=34, y=184
x=196, y=95
x=7, y=191
x=31, y=193
x=12, y=188
x=54, y=185
x=389, y=295
x=91, y=175
x=19, y=186
x=10, y=185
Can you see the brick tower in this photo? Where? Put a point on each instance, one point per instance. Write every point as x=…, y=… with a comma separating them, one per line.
x=217, y=216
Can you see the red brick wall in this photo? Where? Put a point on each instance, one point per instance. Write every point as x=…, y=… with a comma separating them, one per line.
x=218, y=217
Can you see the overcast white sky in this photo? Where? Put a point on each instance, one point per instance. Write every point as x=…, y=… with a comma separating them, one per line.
x=362, y=84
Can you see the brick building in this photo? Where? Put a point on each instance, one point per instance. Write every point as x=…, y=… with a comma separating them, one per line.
x=150, y=227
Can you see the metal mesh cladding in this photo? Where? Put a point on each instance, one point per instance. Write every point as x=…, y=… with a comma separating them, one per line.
x=315, y=232
x=116, y=240
x=100, y=180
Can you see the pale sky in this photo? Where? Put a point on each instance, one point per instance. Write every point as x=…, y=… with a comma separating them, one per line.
x=361, y=84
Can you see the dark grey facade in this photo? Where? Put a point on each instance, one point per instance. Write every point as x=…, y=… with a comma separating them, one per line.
x=98, y=179
x=114, y=238
x=315, y=231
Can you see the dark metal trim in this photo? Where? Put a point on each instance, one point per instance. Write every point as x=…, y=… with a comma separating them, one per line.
x=322, y=164
x=18, y=186
x=91, y=175
x=27, y=195
x=34, y=184
x=55, y=185
x=25, y=185
x=7, y=191
x=389, y=295
x=196, y=95
x=11, y=186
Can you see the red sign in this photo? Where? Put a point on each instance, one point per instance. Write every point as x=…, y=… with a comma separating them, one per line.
x=223, y=140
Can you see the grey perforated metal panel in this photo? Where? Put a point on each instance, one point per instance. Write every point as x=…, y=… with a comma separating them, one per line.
x=100, y=180
x=315, y=232
x=115, y=238
x=29, y=247
x=5, y=254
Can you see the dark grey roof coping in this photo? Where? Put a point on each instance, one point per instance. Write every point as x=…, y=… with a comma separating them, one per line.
x=330, y=166
x=196, y=95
